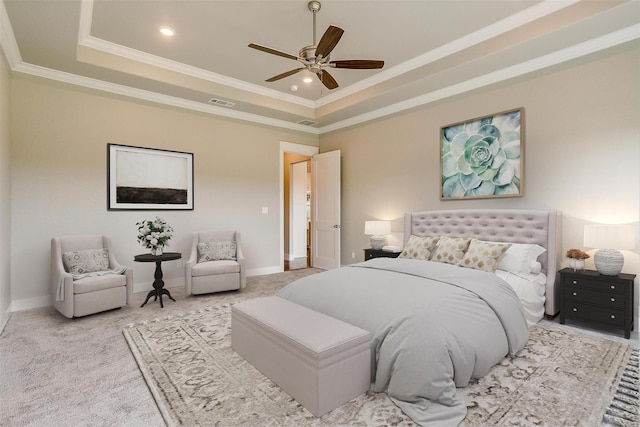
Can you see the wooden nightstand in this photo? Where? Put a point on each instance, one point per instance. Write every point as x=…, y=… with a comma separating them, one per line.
x=379, y=253
x=593, y=297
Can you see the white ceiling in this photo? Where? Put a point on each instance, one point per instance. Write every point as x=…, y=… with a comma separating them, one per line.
x=433, y=49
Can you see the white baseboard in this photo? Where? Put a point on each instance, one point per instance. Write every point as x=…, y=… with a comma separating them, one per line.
x=29, y=303
x=4, y=318
x=44, y=301
x=265, y=270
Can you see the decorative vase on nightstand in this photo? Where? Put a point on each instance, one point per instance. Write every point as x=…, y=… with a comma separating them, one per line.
x=576, y=264
x=157, y=251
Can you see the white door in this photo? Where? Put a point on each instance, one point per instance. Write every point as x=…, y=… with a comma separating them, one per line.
x=325, y=209
x=298, y=215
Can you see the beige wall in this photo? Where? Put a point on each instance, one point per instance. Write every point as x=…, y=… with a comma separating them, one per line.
x=582, y=151
x=59, y=145
x=5, y=194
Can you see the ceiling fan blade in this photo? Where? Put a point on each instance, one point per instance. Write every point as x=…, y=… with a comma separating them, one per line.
x=283, y=75
x=359, y=64
x=329, y=40
x=272, y=51
x=327, y=80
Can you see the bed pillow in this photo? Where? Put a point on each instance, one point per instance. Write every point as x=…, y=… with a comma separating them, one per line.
x=483, y=255
x=419, y=248
x=217, y=251
x=87, y=261
x=450, y=250
x=521, y=258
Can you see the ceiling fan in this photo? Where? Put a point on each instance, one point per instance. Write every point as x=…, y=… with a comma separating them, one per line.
x=315, y=57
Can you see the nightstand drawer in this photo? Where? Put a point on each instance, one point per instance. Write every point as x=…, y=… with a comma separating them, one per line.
x=607, y=299
x=379, y=253
x=597, y=285
x=594, y=313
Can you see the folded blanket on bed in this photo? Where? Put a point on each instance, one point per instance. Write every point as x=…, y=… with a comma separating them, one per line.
x=434, y=326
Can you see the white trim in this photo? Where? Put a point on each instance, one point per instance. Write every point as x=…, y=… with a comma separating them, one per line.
x=87, y=40
x=582, y=49
x=29, y=303
x=4, y=319
x=264, y=270
x=47, y=73
x=7, y=39
x=289, y=147
x=480, y=36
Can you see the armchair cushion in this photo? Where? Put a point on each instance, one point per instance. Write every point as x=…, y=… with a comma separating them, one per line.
x=213, y=251
x=86, y=261
x=215, y=267
x=98, y=283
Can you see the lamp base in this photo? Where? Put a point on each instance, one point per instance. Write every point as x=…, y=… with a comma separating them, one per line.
x=377, y=242
x=608, y=261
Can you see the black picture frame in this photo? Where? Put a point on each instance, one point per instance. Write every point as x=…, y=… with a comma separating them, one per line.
x=140, y=178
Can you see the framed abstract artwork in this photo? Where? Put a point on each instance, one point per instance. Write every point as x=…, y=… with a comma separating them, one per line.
x=148, y=179
x=483, y=157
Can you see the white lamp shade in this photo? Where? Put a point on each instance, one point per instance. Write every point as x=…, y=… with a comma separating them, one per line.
x=601, y=236
x=377, y=228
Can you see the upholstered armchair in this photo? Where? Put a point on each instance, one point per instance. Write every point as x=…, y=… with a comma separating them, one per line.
x=216, y=263
x=86, y=278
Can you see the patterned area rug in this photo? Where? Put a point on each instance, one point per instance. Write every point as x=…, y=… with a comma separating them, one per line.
x=562, y=378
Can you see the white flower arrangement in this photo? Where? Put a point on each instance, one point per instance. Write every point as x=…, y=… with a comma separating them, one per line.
x=154, y=234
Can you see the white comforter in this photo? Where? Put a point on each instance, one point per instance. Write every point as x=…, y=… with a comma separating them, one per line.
x=434, y=326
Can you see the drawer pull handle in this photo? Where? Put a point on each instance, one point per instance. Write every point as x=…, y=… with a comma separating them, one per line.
x=613, y=300
x=613, y=316
x=575, y=282
x=575, y=309
x=613, y=286
x=575, y=294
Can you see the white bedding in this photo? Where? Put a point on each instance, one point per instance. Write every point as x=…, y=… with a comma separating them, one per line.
x=530, y=289
x=434, y=326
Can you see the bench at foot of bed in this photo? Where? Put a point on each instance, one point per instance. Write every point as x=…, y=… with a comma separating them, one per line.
x=320, y=361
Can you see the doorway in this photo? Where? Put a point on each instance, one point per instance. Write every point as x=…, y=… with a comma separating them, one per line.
x=297, y=211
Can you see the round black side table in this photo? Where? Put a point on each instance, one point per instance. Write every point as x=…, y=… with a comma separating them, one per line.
x=158, y=284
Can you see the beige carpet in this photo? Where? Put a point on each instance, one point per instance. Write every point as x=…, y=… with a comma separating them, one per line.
x=561, y=378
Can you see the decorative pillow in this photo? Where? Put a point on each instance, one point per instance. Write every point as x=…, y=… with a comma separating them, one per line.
x=521, y=258
x=87, y=261
x=215, y=251
x=419, y=247
x=483, y=255
x=450, y=250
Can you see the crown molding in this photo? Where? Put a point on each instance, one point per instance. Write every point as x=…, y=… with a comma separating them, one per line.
x=533, y=13
x=585, y=48
x=100, y=85
x=12, y=53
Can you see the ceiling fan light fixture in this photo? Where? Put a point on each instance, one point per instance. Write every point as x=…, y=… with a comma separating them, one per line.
x=167, y=31
x=315, y=57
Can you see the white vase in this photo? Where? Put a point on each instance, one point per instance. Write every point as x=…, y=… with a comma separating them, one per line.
x=157, y=251
x=576, y=264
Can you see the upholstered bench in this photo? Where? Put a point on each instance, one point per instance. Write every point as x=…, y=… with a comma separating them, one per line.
x=320, y=361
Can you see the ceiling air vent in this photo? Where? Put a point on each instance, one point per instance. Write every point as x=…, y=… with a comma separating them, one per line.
x=307, y=122
x=221, y=102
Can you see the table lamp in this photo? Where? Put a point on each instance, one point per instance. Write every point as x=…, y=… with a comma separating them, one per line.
x=608, y=239
x=377, y=230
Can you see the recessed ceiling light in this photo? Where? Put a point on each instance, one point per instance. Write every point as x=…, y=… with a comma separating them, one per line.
x=307, y=80
x=167, y=31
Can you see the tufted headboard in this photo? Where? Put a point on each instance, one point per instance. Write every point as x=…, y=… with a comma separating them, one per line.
x=498, y=225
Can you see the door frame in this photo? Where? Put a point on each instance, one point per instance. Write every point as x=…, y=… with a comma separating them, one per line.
x=289, y=147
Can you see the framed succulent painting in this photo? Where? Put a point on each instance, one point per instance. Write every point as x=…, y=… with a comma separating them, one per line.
x=483, y=157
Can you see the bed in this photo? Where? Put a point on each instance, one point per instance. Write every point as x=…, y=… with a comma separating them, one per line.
x=435, y=324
